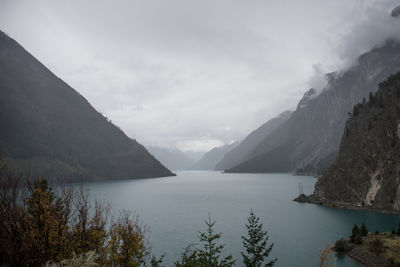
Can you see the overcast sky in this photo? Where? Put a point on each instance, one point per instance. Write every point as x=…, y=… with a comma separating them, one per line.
x=195, y=74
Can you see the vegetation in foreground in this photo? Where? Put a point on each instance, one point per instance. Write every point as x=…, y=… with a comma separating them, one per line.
x=372, y=246
x=45, y=226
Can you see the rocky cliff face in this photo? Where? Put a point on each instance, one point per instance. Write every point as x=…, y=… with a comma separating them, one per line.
x=366, y=172
x=310, y=138
x=47, y=128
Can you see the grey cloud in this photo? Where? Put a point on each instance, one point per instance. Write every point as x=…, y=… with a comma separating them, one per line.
x=373, y=26
x=191, y=74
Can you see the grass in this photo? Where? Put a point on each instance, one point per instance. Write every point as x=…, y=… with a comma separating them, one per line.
x=391, y=246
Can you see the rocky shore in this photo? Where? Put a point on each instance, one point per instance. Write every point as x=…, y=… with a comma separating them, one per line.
x=308, y=199
x=368, y=259
x=342, y=205
x=373, y=249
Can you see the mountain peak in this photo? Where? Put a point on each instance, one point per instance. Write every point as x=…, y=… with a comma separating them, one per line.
x=308, y=95
x=396, y=11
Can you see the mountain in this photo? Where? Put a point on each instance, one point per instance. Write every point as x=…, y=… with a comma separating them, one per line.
x=48, y=128
x=210, y=159
x=309, y=140
x=366, y=171
x=195, y=155
x=172, y=158
x=239, y=153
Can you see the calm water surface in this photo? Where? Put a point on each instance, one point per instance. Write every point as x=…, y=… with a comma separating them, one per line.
x=175, y=209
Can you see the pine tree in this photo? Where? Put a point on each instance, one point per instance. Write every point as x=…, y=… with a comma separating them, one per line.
x=210, y=254
x=398, y=230
x=371, y=98
x=356, y=235
x=355, y=231
x=355, y=110
x=363, y=230
x=255, y=243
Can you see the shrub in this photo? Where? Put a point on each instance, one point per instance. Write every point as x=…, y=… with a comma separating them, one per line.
x=84, y=260
x=356, y=235
x=363, y=230
x=40, y=224
x=376, y=246
x=340, y=245
x=358, y=240
x=324, y=256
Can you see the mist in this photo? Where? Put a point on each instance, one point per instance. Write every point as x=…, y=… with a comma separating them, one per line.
x=199, y=74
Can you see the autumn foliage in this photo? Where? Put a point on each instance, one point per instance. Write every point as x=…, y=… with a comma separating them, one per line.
x=42, y=223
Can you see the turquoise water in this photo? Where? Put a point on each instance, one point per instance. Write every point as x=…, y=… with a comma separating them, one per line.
x=175, y=209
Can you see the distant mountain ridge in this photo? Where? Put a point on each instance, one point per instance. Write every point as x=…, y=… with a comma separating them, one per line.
x=49, y=129
x=172, y=158
x=210, y=159
x=309, y=140
x=239, y=154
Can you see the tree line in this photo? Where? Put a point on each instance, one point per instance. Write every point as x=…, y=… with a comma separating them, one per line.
x=43, y=225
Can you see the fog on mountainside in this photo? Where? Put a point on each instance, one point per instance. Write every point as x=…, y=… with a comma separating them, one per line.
x=212, y=157
x=172, y=158
x=308, y=142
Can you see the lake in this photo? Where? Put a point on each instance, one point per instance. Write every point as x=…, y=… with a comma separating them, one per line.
x=175, y=209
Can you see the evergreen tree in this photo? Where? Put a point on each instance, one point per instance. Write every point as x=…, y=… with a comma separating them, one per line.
x=363, y=230
x=210, y=253
x=371, y=98
x=355, y=110
x=356, y=235
x=355, y=231
x=398, y=230
x=380, y=101
x=257, y=249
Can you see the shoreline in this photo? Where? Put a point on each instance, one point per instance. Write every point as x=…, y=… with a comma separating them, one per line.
x=312, y=199
x=370, y=255
x=367, y=259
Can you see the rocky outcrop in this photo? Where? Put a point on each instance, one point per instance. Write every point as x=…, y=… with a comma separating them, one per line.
x=366, y=173
x=48, y=129
x=307, y=199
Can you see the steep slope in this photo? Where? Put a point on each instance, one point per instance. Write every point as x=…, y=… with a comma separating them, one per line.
x=210, y=159
x=239, y=153
x=48, y=128
x=173, y=158
x=310, y=138
x=367, y=169
x=195, y=155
